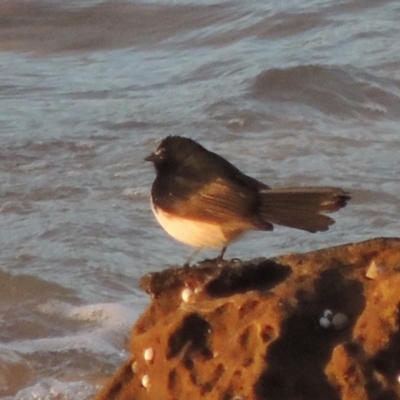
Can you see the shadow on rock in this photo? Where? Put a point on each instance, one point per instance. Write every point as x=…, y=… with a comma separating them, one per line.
x=296, y=361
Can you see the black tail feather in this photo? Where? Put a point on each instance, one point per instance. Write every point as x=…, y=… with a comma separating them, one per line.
x=302, y=208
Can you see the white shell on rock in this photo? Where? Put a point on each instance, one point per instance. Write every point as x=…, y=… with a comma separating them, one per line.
x=340, y=321
x=148, y=354
x=325, y=322
x=135, y=367
x=186, y=294
x=336, y=321
x=145, y=381
x=372, y=271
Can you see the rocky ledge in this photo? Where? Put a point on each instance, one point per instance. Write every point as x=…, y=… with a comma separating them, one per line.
x=317, y=326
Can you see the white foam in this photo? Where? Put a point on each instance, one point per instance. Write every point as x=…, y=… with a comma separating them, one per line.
x=53, y=389
x=109, y=327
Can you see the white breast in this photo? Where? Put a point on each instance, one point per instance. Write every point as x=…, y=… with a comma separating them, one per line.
x=193, y=233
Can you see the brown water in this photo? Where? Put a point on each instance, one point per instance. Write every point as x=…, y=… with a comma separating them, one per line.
x=291, y=92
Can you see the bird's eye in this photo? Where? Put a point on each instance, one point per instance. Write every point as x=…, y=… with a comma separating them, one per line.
x=160, y=153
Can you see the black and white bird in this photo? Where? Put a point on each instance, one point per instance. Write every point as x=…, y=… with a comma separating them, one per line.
x=204, y=201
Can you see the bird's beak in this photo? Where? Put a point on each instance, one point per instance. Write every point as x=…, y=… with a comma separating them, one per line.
x=150, y=157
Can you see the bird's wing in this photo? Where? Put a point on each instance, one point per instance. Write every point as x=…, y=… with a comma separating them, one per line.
x=223, y=201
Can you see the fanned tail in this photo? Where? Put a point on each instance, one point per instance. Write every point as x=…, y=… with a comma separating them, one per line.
x=302, y=208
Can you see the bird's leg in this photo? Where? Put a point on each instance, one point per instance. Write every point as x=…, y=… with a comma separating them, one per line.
x=221, y=255
x=193, y=255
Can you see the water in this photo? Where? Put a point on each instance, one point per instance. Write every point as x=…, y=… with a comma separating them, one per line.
x=291, y=92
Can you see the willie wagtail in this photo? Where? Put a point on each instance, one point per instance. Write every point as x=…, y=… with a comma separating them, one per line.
x=203, y=200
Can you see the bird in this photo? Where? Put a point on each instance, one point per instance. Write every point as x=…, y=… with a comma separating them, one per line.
x=204, y=201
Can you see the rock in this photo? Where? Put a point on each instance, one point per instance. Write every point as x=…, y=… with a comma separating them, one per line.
x=251, y=330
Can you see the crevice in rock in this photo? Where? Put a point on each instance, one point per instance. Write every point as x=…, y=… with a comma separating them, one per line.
x=189, y=338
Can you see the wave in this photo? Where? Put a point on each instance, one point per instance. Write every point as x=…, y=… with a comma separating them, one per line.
x=332, y=90
x=44, y=28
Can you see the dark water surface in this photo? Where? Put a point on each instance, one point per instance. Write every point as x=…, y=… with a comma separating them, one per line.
x=291, y=92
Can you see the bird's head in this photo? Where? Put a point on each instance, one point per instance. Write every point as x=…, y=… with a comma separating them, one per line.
x=175, y=151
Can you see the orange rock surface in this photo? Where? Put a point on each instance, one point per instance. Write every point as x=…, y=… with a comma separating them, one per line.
x=253, y=330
